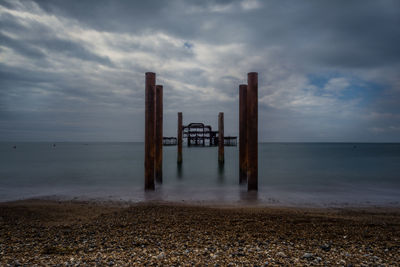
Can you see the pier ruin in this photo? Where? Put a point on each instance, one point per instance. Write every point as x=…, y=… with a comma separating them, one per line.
x=199, y=134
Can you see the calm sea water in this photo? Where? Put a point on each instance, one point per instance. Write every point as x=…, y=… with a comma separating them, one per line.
x=321, y=174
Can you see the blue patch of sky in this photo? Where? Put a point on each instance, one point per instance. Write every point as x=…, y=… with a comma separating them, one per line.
x=188, y=45
x=320, y=80
x=358, y=89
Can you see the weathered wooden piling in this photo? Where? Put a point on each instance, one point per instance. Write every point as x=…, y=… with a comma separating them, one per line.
x=252, y=131
x=149, y=147
x=179, y=135
x=159, y=133
x=242, y=133
x=221, y=157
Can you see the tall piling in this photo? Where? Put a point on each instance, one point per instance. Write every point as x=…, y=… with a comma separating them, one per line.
x=179, y=135
x=242, y=133
x=221, y=157
x=149, y=147
x=159, y=133
x=252, y=131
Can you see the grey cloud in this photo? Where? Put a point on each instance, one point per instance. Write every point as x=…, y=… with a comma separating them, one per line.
x=145, y=17
x=11, y=24
x=69, y=48
x=21, y=47
x=33, y=48
x=104, y=15
x=61, y=91
x=339, y=34
x=15, y=75
x=36, y=39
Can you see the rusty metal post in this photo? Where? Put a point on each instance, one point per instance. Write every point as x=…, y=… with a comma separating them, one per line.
x=159, y=133
x=179, y=137
x=242, y=133
x=221, y=137
x=149, y=147
x=252, y=131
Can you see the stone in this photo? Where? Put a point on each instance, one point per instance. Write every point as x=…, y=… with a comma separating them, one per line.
x=326, y=247
x=376, y=258
x=161, y=256
x=281, y=254
x=308, y=256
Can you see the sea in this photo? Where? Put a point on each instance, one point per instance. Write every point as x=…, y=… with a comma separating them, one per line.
x=290, y=174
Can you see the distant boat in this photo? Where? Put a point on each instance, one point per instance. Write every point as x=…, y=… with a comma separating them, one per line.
x=54, y=145
x=14, y=147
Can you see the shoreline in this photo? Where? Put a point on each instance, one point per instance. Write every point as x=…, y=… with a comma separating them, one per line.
x=161, y=233
x=248, y=202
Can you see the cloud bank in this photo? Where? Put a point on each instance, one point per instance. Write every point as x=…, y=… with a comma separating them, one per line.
x=74, y=71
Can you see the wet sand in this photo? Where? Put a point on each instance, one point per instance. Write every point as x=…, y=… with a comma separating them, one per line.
x=46, y=232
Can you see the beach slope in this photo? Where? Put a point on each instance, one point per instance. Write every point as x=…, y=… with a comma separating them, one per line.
x=86, y=233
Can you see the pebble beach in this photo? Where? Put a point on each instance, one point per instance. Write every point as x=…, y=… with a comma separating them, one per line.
x=72, y=233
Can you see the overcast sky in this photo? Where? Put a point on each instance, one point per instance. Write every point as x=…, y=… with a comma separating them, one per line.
x=75, y=70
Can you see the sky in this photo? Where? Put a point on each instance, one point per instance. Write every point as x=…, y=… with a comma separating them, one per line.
x=75, y=70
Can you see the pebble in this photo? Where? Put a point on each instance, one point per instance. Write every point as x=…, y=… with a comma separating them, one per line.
x=326, y=247
x=281, y=254
x=307, y=255
x=376, y=258
x=161, y=256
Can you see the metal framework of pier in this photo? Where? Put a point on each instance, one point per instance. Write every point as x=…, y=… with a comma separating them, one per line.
x=199, y=134
x=170, y=141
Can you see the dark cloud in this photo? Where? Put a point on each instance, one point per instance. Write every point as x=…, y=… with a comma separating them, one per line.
x=340, y=34
x=21, y=47
x=35, y=38
x=104, y=15
x=71, y=49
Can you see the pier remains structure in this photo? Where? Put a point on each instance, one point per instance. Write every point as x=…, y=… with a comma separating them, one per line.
x=230, y=140
x=153, y=131
x=242, y=133
x=198, y=134
x=170, y=141
x=159, y=133
x=248, y=132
